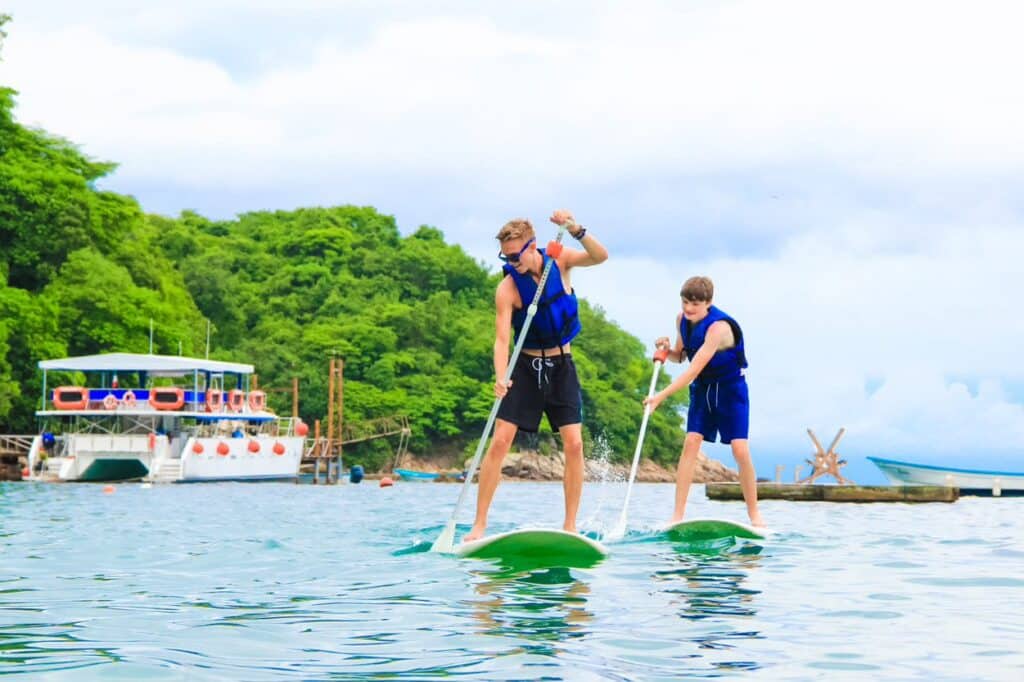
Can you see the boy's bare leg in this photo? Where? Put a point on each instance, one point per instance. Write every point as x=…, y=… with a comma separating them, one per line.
x=572, y=481
x=684, y=473
x=490, y=475
x=748, y=478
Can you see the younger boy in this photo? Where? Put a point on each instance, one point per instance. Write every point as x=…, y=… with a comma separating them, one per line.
x=713, y=343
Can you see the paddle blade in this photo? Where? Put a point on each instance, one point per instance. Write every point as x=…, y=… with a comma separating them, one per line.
x=445, y=542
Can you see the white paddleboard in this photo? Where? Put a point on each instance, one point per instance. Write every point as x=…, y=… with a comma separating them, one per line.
x=540, y=546
x=706, y=530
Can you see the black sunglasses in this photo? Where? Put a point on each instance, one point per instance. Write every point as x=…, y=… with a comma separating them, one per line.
x=514, y=257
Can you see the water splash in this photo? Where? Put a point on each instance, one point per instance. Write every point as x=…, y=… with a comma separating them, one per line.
x=599, y=469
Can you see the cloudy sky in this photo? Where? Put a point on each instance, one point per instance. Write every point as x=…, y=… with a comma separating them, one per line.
x=849, y=173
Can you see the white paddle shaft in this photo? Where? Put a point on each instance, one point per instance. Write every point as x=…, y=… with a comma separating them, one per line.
x=620, y=529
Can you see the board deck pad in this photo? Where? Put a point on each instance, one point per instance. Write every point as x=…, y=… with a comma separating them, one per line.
x=536, y=547
x=707, y=530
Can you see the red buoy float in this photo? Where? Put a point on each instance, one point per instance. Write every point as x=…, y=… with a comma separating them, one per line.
x=254, y=446
x=278, y=448
x=223, y=449
x=386, y=482
x=301, y=429
x=197, y=448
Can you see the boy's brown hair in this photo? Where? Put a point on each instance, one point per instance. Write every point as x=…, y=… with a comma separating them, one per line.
x=698, y=289
x=514, y=229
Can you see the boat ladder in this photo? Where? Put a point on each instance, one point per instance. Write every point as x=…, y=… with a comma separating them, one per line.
x=167, y=470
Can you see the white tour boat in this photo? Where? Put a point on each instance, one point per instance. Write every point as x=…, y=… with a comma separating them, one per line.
x=159, y=432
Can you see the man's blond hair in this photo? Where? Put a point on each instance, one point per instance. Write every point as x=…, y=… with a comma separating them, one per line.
x=698, y=289
x=515, y=229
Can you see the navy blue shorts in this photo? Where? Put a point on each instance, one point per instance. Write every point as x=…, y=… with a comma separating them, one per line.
x=719, y=409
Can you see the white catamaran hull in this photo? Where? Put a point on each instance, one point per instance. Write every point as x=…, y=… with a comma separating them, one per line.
x=969, y=481
x=92, y=457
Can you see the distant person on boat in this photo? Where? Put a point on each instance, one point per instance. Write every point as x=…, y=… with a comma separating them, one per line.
x=719, y=404
x=544, y=379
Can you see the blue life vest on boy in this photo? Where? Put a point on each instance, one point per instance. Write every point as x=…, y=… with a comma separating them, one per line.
x=725, y=364
x=557, y=320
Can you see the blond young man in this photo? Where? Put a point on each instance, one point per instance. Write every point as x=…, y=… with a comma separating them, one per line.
x=544, y=380
x=719, y=402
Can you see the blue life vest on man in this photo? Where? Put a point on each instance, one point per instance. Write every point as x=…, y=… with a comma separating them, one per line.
x=724, y=364
x=557, y=320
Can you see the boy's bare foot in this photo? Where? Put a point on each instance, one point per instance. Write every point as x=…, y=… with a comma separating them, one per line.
x=570, y=527
x=474, y=534
x=757, y=521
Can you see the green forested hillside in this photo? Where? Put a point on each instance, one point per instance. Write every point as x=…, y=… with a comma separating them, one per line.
x=84, y=271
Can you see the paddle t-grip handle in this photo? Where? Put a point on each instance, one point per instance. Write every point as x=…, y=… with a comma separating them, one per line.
x=661, y=355
x=554, y=249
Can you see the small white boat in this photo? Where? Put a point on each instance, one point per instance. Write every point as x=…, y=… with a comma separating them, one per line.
x=969, y=481
x=159, y=430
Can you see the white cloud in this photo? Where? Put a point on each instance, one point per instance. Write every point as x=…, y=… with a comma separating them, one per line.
x=908, y=89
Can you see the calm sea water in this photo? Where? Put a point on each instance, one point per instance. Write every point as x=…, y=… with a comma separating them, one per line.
x=278, y=581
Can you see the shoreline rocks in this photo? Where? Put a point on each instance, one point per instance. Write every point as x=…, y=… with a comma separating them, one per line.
x=530, y=465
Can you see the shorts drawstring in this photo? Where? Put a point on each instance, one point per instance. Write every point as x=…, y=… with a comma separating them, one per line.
x=539, y=365
x=707, y=396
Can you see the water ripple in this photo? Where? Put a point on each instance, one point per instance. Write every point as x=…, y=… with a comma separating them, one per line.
x=266, y=582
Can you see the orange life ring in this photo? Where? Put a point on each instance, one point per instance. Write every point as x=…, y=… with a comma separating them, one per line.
x=128, y=400
x=257, y=401
x=110, y=402
x=71, y=398
x=166, y=397
x=236, y=400
x=214, y=400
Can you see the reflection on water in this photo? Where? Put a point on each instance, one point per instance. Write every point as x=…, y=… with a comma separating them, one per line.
x=709, y=587
x=542, y=607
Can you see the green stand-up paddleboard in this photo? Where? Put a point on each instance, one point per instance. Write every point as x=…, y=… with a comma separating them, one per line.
x=536, y=548
x=710, y=530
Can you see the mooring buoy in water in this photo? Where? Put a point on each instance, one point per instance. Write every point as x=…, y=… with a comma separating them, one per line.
x=355, y=474
x=386, y=482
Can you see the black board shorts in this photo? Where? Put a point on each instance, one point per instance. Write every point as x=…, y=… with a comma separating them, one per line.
x=543, y=386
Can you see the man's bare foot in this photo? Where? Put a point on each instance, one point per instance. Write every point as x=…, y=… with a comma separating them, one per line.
x=570, y=527
x=475, y=534
x=757, y=521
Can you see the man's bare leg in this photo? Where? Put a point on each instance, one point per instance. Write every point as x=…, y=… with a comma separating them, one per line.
x=748, y=479
x=684, y=473
x=490, y=475
x=572, y=481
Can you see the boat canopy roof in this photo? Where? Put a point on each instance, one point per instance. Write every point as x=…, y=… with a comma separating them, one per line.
x=155, y=365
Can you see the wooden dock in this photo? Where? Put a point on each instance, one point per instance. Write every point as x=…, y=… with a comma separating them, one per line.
x=13, y=455
x=837, y=493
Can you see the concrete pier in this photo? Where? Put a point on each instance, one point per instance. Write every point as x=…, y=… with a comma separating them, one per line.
x=837, y=493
